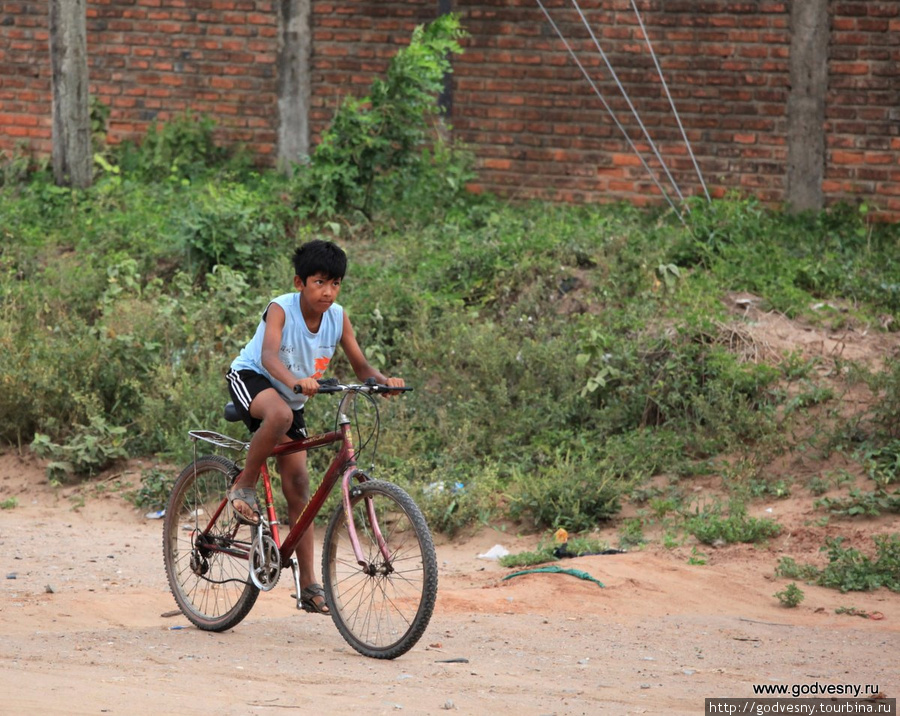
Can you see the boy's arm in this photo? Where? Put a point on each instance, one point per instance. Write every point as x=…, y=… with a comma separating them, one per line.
x=271, y=350
x=358, y=362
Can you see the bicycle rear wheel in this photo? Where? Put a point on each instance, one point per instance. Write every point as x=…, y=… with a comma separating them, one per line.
x=206, y=560
x=382, y=609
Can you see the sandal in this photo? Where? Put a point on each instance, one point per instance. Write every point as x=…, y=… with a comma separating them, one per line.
x=246, y=495
x=308, y=600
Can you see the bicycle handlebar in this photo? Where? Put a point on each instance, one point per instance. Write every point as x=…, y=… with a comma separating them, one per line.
x=331, y=385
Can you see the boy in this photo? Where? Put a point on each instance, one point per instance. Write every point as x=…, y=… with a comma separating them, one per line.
x=293, y=345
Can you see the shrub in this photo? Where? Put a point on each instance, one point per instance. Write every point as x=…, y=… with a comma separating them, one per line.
x=848, y=569
x=385, y=130
x=711, y=527
x=183, y=148
x=571, y=491
x=90, y=449
x=790, y=596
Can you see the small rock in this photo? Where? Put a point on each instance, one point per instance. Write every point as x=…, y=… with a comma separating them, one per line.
x=448, y=705
x=49, y=589
x=11, y=575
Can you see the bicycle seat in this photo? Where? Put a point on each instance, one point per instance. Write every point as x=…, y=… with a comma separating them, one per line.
x=231, y=413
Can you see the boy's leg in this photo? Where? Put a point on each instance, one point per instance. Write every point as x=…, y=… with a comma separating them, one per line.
x=295, y=485
x=277, y=418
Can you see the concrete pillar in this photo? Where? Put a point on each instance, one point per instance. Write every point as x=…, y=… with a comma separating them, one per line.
x=72, y=158
x=806, y=104
x=294, y=83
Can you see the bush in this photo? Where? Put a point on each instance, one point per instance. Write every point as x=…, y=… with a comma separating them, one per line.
x=712, y=528
x=848, y=569
x=385, y=131
x=790, y=596
x=90, y=449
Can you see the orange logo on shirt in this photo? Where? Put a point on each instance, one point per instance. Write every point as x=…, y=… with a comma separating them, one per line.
x=321, y=367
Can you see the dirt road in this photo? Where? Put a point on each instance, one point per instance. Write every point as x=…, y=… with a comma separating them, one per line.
x=83, y=630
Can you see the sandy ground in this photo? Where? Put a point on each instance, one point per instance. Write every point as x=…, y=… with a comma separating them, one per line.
x=86, y=622
x=86, y=628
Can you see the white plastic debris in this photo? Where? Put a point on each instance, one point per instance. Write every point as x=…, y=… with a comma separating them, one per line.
x=495, y=552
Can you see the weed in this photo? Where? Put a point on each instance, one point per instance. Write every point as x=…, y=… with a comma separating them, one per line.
x=712, y=528
x=563, y=356
x=528, y=559
x=850, y=570
x=852, y=611
x=697, y=558
x=790, y=596
x=580, y=546
x=882, y=463
x=779, y=489
x=176, y=151
x=631, y=534
x=9, y=503
x=548, y=550
x=818, y=486
x=89, y=449
x=153, y=494
x=790, y=569
x=671, y=540
x=861, y=504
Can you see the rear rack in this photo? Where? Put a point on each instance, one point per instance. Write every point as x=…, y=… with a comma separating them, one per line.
x=218, y=439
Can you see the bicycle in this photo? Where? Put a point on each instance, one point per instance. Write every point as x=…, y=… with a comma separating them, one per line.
x=379, y=568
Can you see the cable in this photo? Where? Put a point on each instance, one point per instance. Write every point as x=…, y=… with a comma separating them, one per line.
x=628, y=100
x=671, y=101
x=611, y=113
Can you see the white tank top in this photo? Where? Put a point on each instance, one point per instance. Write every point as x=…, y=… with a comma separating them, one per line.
x=304, y=353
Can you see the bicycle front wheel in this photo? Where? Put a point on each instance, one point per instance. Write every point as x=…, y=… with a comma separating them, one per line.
x=205, y=548
x=382, y=608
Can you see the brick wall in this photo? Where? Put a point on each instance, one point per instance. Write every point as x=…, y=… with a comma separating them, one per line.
x=148, y=61
x=534, y=121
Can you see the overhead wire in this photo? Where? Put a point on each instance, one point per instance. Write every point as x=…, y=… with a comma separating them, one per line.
x=671, y=101
x=609, y=109
x=634, y=112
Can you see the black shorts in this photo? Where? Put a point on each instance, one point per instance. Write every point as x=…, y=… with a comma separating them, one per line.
x=244, y=386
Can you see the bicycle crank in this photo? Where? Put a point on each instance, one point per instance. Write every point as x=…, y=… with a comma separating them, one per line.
x=265, y=561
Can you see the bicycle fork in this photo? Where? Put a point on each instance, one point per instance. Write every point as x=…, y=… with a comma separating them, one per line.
x=368, y=567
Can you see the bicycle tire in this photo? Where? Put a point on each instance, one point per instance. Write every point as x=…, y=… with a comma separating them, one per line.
x=383, y=613
x=211, y=588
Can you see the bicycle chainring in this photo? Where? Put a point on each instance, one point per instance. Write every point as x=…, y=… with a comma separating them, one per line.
x=265, y=562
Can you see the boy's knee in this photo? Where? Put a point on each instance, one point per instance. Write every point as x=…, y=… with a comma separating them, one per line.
x=280, y=419
x=296, y=485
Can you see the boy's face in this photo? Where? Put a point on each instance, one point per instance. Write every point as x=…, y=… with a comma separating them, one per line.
x=319, y=291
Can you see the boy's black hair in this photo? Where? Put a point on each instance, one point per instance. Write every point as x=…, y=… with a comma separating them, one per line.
x=319, y=256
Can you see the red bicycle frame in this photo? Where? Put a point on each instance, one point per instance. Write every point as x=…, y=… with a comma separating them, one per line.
x=343, y=464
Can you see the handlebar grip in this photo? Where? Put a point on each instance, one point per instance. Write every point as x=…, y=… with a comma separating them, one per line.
x=326, y=385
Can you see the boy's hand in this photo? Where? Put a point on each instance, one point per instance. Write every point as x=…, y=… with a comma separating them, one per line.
x=308, y=386
x=394, y=383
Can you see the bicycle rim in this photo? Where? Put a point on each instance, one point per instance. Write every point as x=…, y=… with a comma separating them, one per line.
x=210, y=585
x=381, y=612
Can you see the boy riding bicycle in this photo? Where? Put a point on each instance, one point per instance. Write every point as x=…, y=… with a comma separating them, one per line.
x=292, y=347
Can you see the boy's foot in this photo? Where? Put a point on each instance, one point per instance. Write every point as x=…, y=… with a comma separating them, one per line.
x=312, y=599
x=246, y=508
